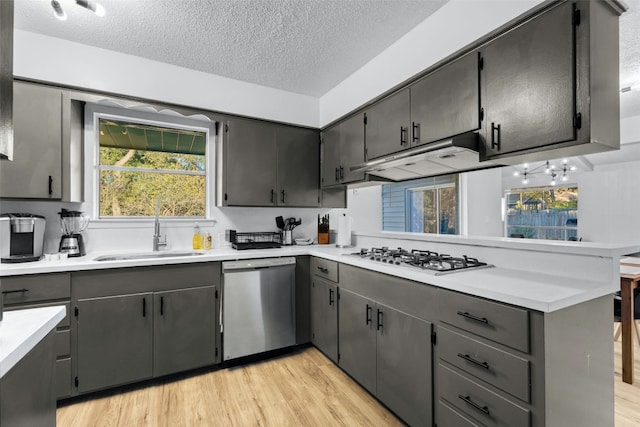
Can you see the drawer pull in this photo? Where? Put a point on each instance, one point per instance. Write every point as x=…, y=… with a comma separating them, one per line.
x=323, y=270
x=468, y=401
x=331, y=301
x=368, y=314
x=468, y=358
x=15, y=291
x=472, y=317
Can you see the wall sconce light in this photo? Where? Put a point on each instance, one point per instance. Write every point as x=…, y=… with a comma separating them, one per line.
x=556, y=173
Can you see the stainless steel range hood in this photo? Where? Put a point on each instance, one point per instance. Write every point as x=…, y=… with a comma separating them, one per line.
x=456, y=154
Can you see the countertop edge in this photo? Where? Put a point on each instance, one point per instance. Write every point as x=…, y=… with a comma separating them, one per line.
x=38, y=322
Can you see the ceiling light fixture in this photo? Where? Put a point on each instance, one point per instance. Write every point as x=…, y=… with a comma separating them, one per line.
x=57, y=10
x=556, y=173
x=96, y=8
x=91, y=5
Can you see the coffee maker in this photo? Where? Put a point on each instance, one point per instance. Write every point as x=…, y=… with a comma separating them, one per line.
x=21, y=237
x=73, y=223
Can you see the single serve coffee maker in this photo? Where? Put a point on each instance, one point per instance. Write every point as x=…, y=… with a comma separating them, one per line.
x=73, y=223
x=21, y=237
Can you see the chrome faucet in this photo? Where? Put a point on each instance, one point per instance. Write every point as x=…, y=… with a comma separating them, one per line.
x=158, y=240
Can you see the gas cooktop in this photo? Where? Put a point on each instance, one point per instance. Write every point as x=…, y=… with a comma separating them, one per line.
x=422, y=259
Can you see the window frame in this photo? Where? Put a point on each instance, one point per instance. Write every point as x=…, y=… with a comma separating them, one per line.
x=96, y=111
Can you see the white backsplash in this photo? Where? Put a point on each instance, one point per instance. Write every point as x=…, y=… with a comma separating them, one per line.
x=137, y=235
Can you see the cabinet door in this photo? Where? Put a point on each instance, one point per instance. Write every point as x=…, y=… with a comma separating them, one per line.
x=351, y=148
x=184, y=329
x=36, y=169
x=357, y=338
x=387, y=127
x=331, y=156
x=114, y=340
x=446, y=103
x=324, y=317
x=298, y=167
x=529, y=85
x=404, y=381
x=250, y=164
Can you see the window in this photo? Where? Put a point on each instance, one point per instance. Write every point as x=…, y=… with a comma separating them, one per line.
x=542, y=213
x=133, y=155
x=426, y=205
x=140, y=162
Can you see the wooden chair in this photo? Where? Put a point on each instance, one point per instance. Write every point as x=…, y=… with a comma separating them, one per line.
x=617, y=316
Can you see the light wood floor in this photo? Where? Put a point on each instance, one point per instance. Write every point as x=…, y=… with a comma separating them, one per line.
x=301, y=389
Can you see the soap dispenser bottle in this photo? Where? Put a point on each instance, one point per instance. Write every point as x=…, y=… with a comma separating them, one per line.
x=197, y=237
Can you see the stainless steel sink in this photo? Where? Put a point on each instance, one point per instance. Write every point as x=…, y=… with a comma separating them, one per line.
x=146, y=255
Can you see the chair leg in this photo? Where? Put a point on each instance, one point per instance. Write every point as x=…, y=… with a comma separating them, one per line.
x=618, y=332
x=635, y=328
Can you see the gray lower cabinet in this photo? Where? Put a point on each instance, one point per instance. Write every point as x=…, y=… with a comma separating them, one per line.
x=183, y=328
x=389, y=353
x=27, y=393
x=324, y=316
x=115, y=340
x=42, y=290
x=132, y=324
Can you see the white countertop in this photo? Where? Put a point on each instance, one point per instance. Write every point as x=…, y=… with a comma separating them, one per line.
x=537, y=291
x=22, y=330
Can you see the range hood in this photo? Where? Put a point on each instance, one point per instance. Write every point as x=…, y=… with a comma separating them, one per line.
x=456, y=154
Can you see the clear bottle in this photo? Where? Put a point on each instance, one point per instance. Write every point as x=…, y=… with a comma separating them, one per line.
x=197, y=237
x=208, y=241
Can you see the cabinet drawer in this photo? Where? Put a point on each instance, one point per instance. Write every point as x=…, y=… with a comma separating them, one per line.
x=63, y=343
x=447, y=416
x=63, y=378
x=37, y=287
x=479, y=402
x=63, y=322
x=499, y=368
x=325, y=268
x=498, y=322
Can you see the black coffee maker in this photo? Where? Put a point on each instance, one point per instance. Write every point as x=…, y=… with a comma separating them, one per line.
x=73, y=223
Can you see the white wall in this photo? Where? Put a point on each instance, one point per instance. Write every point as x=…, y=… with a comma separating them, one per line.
x=455, y=25
x=609, y=203
x=60, y=61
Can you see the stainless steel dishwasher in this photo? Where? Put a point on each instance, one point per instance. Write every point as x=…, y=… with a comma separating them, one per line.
x=258, y=309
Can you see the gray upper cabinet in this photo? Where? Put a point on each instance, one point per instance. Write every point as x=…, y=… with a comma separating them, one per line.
x=298, y=166
x=270, y=165
x=343, y=147
x=446, y=102
x=250, y=164
x=528, y=85
x=36, y=169
x=442, y=104
x=183, y=329
x=388, y=126
x=115, y=340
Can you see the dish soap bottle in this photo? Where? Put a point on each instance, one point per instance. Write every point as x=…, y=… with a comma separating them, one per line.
x=208, y=241
x=197, y=237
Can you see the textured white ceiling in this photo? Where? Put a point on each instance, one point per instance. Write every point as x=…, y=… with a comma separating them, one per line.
x=302, y=46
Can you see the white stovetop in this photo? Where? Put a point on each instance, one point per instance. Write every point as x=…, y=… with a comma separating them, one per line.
x=537, y=291
x=22, y=330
